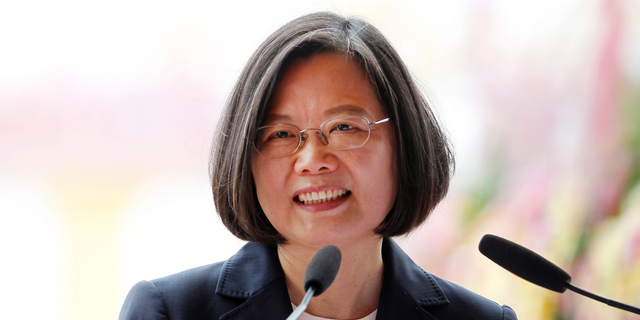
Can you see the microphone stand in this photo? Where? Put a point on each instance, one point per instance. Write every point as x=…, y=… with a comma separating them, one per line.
x=613, y=303
x=303, y=305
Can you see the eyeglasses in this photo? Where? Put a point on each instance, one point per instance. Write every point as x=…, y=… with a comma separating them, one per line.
x=341, y=133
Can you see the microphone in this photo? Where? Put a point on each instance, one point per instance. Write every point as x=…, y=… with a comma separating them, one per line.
x=524, y=263
x=320, y=273
x=534, y=268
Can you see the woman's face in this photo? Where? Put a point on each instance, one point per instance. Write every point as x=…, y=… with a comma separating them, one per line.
x=310, y=91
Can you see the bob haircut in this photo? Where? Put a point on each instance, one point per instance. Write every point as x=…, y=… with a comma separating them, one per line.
x=424, y=157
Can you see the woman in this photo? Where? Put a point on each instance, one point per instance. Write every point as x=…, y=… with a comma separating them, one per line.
x=326, y=139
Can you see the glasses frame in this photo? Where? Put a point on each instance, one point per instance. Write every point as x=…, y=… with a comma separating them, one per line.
x=303, y=134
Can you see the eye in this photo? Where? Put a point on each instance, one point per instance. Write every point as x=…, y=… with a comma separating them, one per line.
x=341, y=127
x=347, y=126
x=277, y=139
x=281, y=135
x=277, y=135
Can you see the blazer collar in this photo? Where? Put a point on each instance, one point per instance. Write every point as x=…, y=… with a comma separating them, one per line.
x=407, y=290
x=255, y=274
x=248, y=271
x=419, y=284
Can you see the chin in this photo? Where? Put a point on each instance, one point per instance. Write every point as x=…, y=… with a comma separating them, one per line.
x=339, y=239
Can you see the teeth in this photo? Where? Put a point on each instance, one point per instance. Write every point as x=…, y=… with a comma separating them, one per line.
x=321, y=197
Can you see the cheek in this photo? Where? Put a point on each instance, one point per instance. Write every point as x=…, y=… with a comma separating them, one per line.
x=268, y=179
x=390, y=171
x=393, y=166
x=378, y=173
x=387, y=183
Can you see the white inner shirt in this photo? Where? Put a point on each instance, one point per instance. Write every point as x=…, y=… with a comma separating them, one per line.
x=306, y=316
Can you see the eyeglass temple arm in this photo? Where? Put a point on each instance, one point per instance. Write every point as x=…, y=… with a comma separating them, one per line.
x=380, y=121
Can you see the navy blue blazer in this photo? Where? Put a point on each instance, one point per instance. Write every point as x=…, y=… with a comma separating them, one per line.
x=251, y=285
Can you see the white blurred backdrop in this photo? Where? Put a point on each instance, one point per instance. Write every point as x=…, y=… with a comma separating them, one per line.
x=107, y=109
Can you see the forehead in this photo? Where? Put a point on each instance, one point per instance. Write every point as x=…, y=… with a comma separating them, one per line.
x=321, y=86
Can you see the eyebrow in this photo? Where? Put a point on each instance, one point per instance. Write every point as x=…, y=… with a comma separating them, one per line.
x=275, y=118
x=347, y=108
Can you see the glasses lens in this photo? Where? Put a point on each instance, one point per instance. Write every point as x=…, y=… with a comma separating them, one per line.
x=346, y=132
x=277, y=140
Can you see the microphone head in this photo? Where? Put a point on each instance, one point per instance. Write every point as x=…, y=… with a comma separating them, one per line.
x=524, y=263
x=322, y=269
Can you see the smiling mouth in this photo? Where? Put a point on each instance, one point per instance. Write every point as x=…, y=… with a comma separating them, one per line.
x=321, y=197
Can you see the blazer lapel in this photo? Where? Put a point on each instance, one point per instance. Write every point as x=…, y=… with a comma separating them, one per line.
x=407, y=290
x=269, y=303
x=255, y=278
x=396, y=303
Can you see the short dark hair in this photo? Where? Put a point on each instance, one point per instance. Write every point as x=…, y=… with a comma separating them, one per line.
x=424, y=157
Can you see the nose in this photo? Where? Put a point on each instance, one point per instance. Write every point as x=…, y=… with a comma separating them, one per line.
x=314, y=156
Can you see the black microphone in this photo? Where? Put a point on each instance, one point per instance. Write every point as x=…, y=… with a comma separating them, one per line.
x=534, y=268
x=524, y=263
x=320, y=273
x=322, y=269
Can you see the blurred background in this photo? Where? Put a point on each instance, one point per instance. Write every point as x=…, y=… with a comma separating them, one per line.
x=107, y=109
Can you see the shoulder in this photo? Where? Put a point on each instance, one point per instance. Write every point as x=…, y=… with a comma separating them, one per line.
x=205, y=292
x=184, y=295
x=440, y=298
x=465, y=304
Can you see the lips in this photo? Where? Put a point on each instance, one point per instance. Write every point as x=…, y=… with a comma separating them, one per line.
x=321, y=196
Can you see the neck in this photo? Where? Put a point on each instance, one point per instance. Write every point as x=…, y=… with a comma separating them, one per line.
x=354, y=293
